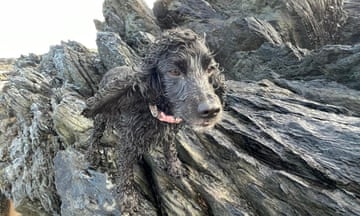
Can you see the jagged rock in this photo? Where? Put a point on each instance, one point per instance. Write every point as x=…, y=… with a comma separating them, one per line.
x=73, y=63
x=288, y=143
x=268, y=61
x=127, y=18
x=6, y=64
x=325, y=92
x=26, y=166
x=113, y=51
x=43, y=103
x=349, y=34
x=82, y=191
x=339, y=63
x=306, y=23
x=233, y=26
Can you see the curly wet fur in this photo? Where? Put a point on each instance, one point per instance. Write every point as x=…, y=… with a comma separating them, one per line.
x=180, y=76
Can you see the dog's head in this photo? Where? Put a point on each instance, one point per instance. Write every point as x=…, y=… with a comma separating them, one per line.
x=185, y=81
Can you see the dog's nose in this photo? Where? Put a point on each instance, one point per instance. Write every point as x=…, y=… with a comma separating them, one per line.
x=207, y=110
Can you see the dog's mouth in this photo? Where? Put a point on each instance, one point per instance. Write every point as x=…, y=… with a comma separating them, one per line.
x=199, y=124
x=161, y=116
x=204, y=125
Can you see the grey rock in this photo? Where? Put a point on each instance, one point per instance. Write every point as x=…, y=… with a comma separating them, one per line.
x=27, y=143
x=170, y=13
x=233, y=26
x=73, y=63
x=127, y=18
x=68, y=122
x=6, y=64
x=325, y=92
x=82, y=191
x=338, y=63
x=288, y=143
x=245, y=34
x=266, y=62
x=41, y=116
x=113, y=50
x=350, y=33
x=307, y=24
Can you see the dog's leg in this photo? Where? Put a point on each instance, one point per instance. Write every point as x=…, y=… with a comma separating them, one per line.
x=173, y=163
x=125, y=192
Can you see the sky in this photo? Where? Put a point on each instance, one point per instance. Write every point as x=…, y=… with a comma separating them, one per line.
x=32, y=26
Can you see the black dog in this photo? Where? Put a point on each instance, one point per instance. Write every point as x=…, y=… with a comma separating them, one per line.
x=179, y=83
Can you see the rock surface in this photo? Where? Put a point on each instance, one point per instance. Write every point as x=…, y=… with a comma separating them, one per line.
x=289, y=142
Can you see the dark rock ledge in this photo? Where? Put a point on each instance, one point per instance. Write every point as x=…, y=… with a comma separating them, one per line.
x=289, y=142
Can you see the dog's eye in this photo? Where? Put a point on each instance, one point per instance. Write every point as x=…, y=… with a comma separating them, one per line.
x=174, y=73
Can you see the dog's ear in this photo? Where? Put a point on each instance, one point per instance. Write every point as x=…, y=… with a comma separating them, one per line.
x=117, y=87
x=218, y=82
x=154, y=86
x=155, y=81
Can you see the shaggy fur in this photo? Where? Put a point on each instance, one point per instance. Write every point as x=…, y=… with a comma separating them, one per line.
x=180, y=76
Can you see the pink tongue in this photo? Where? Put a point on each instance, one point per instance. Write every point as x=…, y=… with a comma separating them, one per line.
x=169, y=119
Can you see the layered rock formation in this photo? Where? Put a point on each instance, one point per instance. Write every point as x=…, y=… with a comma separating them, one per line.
x=289, y=142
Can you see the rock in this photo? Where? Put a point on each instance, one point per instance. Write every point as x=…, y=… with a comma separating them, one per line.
x=233, y=26
x=325, y=92
x=338, y=63
x=6, y=64
x=349, y=34
x=127, y=18
x=82, y=191
x=43, y=105
x=267, y=62
x=288, y=143
x=113, y=51
x=27, y=167
x=73, y=63
x=297, y=21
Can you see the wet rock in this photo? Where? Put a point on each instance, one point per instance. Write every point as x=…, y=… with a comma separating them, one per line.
x=127, y=18
x=113, y=50
x=325, y=92
x=233, y=26
x=42, y=116
x=73, y=63
x=338, y=63
x=82, y=191
x=349, y=34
